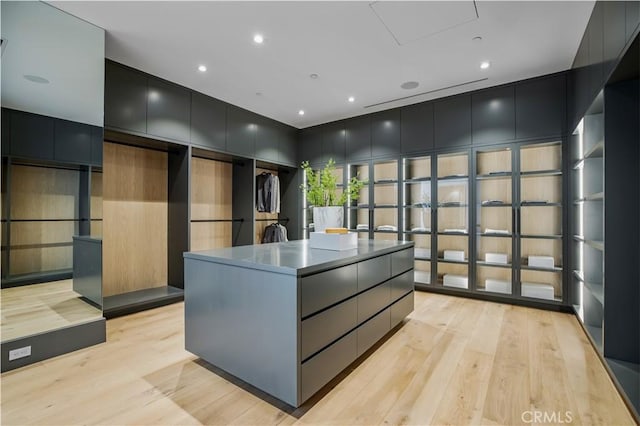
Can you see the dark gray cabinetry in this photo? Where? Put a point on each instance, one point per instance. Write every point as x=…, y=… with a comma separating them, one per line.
x=416, y=128
x=97, y=139
x=334, y=142
x=6, y=131
x=297, y=320
x=208, y=122
x=287, y=144
x=87, y=268
x=385, y=133
x=267, y=137
x=540, y=107
x=125, y=98
x=72, y=142
x=493, y=115
x=358, y=137
x=614, y=33
x=310, y=145
x=168, y=110
x=241, y=131
x=32, y=136
x=596, y=49
x=452, y=118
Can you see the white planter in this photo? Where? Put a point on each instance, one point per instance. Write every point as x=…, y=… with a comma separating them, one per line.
x=327, y=217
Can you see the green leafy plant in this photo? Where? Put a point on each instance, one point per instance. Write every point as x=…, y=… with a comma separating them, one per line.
x=321, y=186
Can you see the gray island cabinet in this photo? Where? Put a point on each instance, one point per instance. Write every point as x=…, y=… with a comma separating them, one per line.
x=286, y=318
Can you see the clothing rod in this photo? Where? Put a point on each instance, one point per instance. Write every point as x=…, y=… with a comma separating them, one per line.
x=216, y=220
x=284, y=219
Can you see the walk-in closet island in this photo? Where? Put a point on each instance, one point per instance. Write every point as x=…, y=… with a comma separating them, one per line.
x=287, y=318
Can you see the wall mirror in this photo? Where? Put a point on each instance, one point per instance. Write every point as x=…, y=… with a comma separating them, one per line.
x=52, y=67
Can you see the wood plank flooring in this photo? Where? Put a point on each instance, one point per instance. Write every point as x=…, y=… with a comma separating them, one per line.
x=455, y=361
x=37, y=308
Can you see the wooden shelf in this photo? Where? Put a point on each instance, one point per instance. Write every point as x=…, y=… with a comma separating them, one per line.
x=538, y=173
x=534, y=268
x=459, y=262
x=493, y=265
x=497, y=175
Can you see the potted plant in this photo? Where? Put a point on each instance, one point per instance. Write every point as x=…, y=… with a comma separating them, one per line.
x=321, y=190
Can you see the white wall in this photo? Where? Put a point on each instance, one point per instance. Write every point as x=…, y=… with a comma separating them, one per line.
x=69, y=52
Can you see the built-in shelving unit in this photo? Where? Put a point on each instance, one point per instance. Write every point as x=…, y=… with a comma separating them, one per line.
x=359, y=218
x=417, y=218
x=452, y=220
x=385, y=186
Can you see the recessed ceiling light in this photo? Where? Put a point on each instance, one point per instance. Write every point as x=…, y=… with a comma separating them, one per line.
x=36, y=79
x=477, y=38
x=407, y=85
x=351, y=99
x=301, y=112
x=202, y=68
x=258, y=38
x=484, y=65
x=313, y=76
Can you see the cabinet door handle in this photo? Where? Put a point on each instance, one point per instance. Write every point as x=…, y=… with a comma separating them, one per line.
x=519, y=222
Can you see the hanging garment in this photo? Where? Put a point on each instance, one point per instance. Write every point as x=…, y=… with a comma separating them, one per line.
x=267, y=193
x=274, y=233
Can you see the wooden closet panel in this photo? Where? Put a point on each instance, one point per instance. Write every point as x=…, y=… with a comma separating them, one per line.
x=210, y=235
x=261, y=224
x=44, y=193
x=41, y=246
x=210, y=189
x=135, y=192
x=96, y=204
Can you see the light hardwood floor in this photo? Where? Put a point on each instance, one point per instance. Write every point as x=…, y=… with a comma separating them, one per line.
x=37, y=308
x=455, y=361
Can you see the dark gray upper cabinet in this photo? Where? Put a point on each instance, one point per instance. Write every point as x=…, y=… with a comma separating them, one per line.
x=169, y=110
x=385, y=133
x=72, y=142
x=267, y=139
x=287, y=145
x=208, y=121
x=334, y=142
x=452, y=118
x=596, y=48
x=633, y=18
x=541, y=107
x=493, y=115
x=358, y=138
x=125, y=98
x=614, y=33
x=310, y=146
x=32, y=135
x=416, y=127
x=97, y=142
x=241, y=131
x=6, y=131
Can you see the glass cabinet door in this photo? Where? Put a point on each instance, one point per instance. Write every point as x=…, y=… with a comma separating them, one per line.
x=494, y=221
x=358, y=216
x=385, y=197
x=540, y=221
x=453, y=220
x=307, y=209
x=417, y=214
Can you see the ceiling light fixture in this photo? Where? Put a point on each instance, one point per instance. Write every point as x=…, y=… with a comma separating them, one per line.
x=36, y=79
x=313, y=76
x=476, y=38
x=408, y=85
x=301, y=112
x=202, y=68
x=258, y=38
x=351, y=99
x=484, y=65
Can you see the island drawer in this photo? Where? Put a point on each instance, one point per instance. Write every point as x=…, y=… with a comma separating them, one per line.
x=326, y=288
x=320, y=330
x=373, y=271
x=401, y=261
x=371, y=331
x=401, y=285
x=319, y=370
x=401, y=309
x=373, y=301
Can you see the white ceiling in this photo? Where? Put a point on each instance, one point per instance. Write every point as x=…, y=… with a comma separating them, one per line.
x=361, y=49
